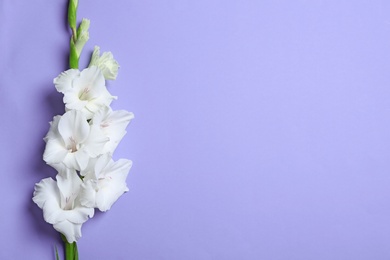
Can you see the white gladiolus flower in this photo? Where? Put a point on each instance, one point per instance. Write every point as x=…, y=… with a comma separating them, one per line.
x=106, y=63
x=61, y=204
x=84, y=91
x=113, y=124
x=72, y=141
x=104, y=182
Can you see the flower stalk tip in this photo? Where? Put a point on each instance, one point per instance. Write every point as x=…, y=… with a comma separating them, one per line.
x=72, y=15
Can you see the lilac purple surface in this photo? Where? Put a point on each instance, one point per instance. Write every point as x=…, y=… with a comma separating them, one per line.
x=262, y=128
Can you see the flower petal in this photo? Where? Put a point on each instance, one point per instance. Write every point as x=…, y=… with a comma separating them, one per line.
x=47, y=197
x=113, y=124
x=55, y=151
x=46, y=188
x=90, y=83
x=88, y=193
x=71, y=231
x=105, y=198
x=64, y=81
x=77, y=160
x=73, y=127
x=53, y=130
x=112, y=183
x=95, y=143
x=69, y=184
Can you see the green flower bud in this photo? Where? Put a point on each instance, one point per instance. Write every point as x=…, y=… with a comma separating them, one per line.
x=106, y=63
x=82, y=36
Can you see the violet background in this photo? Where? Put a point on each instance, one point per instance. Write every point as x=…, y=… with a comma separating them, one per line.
x=261, y=130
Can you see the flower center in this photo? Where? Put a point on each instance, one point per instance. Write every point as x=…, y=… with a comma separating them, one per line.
x=68, y=204
x=72, y=147
x=104, y=124
x=83, y=95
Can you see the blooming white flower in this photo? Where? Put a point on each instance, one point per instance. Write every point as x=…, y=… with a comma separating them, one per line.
x=104, y=182
x=106, y=63
x=113, y=124
x=84, y=91
x=72, y=141
x=61, y=204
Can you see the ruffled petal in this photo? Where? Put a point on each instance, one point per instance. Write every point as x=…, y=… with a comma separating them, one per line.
x=47, y=197
x=44, y=190
x=53, y=130
x=64, y=81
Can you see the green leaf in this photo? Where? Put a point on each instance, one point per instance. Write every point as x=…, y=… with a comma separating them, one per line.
x=57, y=256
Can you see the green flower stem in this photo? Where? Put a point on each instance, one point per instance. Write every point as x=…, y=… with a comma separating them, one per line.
x=73, y=57
x=71, y=252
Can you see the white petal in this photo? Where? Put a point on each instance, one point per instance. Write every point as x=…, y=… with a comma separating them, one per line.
x=88, y=193
x=106, y=197
x=69, y=184
x=71, y=231
x=95, y=143
x=112, y=183
x=64, y=81
x=45, y=189
x=89, y=171
x=90, y=83
x=55, y=151
x=119, y=168
x=113, y=124
x=73, y=127
x=113, y=143
x=77, y=160
x=79, y=214
x=53, y=130
x=72, y=100
x=47, y=197
x=95, y=56
x=101, y=164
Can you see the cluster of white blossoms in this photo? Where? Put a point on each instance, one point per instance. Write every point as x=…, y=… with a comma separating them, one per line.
x=79, y=145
